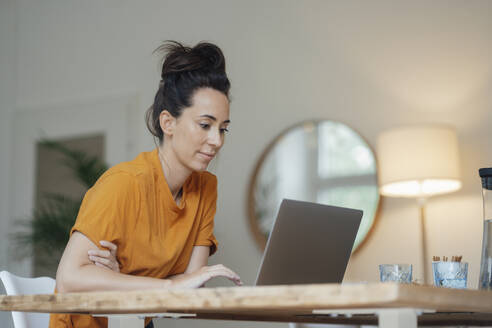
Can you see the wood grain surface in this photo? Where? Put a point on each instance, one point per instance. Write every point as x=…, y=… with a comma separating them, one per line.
x=265, y=300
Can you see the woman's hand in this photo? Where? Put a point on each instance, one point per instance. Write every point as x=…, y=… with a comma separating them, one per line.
x=104, y=258
x=201, y=276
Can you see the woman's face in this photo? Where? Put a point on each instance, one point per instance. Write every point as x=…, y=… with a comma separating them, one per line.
x=199, y=131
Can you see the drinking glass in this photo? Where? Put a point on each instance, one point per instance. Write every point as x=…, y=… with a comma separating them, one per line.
x=400, y=273
x=450, y=274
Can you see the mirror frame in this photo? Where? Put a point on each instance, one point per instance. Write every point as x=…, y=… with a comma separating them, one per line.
x=252, y=219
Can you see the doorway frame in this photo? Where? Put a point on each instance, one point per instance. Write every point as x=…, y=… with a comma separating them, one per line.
x=111, y=117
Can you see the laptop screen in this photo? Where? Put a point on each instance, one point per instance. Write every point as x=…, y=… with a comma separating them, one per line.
x=309, y=243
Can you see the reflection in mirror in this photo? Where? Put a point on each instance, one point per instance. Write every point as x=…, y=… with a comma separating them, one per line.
x=324, y=162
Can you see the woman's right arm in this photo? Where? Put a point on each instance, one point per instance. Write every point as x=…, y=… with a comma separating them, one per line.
x=77, y=273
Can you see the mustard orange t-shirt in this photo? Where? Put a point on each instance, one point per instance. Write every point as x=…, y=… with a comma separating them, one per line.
x=131, y=206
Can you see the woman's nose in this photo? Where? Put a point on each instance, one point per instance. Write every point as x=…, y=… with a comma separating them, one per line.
x=215, y=139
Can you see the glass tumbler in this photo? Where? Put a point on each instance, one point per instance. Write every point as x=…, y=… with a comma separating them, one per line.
x=400, y=273
x=450, y=274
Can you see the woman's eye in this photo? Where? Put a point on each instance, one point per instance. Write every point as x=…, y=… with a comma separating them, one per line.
x=224, y=130
x=205, y=126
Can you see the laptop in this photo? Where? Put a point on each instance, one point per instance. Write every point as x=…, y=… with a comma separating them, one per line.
x=309, y=243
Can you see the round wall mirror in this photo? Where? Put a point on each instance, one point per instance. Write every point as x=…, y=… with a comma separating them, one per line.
x=319, y=161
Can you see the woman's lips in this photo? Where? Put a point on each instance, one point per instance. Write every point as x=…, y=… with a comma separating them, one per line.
x=207, y=156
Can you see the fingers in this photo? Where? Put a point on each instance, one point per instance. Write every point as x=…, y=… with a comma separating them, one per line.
x=106, y=267
x=102, y=265
x=100, y=253
x=105, y=258
x=100, y=260
x=112, y=247
x=104, y=262
x=105, y=253
x=198, y=278
x=220, y=270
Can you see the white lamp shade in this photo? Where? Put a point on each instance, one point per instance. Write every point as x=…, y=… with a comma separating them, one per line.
x=418, y=161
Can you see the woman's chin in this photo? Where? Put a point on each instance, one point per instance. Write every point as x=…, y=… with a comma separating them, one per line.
x=200, y=167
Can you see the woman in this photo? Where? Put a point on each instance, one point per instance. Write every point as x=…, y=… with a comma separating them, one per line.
x=158, y=209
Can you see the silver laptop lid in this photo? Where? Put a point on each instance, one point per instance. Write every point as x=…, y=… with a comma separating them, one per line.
x=309, y=243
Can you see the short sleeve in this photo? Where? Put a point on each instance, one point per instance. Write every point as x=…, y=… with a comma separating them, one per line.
x=106, y=207
x=206, y=231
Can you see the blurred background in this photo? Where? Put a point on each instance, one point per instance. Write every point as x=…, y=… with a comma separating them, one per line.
x=83, y=73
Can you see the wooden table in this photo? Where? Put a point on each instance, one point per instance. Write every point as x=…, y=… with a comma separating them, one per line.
x=390, y=305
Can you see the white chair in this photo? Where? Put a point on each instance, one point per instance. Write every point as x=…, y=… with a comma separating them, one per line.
x=15, y=285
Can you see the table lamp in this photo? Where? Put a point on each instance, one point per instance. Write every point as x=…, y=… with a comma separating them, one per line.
x=418, y=162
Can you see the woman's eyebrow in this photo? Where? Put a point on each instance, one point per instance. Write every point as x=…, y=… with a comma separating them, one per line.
x=213, y=118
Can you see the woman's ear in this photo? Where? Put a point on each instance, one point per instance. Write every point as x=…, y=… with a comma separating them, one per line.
x=167, y=123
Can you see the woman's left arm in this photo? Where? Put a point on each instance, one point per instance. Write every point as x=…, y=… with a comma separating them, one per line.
x=199, y=259
x=198, y=262
x=108, y=259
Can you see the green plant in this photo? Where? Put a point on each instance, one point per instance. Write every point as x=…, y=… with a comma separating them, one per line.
x=47, y=231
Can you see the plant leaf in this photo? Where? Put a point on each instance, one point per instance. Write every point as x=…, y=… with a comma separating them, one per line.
x=87, y=169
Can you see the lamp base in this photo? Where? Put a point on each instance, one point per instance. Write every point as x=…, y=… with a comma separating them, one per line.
x=425, y=274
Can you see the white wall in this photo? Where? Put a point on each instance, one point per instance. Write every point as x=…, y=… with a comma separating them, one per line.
x=371, y=65
x=7, y=104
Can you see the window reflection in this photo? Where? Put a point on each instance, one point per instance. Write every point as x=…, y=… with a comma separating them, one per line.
x=325, y=162
x=342, y=152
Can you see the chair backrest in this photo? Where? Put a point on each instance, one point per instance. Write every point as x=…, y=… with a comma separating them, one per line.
x=15, y=285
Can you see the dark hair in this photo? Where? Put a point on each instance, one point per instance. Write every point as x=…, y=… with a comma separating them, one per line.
x=185, y=70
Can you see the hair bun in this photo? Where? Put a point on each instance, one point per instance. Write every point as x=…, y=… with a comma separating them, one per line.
x=211, y=53
x=180, y=58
